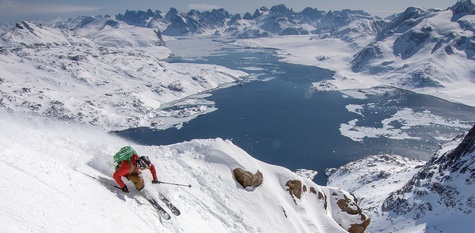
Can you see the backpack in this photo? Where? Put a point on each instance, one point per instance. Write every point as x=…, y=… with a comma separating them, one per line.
x=125, y=153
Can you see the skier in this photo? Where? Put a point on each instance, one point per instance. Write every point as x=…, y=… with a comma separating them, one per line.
x=131, y=169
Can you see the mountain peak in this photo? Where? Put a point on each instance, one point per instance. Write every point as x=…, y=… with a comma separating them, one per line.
x=442, y=187
x=281, y=9
x=454, y=160
x=463, y=7
x=30, y=33
x=139, y=18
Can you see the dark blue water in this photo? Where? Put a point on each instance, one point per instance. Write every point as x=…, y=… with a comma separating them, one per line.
x=284, y=123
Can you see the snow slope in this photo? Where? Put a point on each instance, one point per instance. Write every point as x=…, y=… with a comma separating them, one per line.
x=440, y=196
x=371, y=180
x=405, y=195
x=44, y=189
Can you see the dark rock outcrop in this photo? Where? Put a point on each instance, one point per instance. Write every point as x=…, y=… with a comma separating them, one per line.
x=348, y=206
x=443, y=183
x=247, y=179
x=294, y=188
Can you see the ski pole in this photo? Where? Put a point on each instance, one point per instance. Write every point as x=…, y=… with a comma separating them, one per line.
x=187, y=185
x=93, y=177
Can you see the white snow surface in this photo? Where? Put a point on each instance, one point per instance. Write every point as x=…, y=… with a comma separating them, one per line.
x=371, y=180
x=374, y=179
x=44, y=187
x=54, y=72
x=406, y=117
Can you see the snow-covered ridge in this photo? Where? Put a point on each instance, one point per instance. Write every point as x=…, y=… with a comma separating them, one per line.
x=44, y=187
x=424, y=50
x=441, y=190
x=372, y=179
x=403, y=195
x=264, y=22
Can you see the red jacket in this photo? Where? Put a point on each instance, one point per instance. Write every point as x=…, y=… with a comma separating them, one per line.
x=125, y=170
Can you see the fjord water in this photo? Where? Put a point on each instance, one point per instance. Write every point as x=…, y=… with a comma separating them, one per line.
x=282, y=121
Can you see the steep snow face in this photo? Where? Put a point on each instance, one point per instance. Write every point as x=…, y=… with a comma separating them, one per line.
x=442, y=190
x=115, y=78
x=371, y=180
x=44, y=187
x=403, y=195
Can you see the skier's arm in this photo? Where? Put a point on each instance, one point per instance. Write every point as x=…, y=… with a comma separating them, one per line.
x=124, y=168
x=153, y=171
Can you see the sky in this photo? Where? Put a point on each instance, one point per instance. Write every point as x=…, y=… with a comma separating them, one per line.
x=12, y=11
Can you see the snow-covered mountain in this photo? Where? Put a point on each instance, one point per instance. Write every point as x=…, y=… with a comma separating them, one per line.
x=45, y=188
x=112, y=72
x=89, y=69
x=94, y=65
x=113, y=77
x=403, y=195
x=264, y=22
x=426, y=49
x=442, y=190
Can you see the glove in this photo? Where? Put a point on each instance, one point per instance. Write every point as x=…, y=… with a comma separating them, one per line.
x=125, y=189
x=155, y=182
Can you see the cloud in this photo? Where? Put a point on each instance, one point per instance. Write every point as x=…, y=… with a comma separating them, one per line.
x=15, y=8
x=202, y=7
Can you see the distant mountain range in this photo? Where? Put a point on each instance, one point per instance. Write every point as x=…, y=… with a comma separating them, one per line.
x=432, y=33
x=89, y=69
x=278, y=20
x=433, y=36
x=428, y=50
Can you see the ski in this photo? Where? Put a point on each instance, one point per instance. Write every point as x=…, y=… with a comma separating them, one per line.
x=162, y=212
x=167, y=202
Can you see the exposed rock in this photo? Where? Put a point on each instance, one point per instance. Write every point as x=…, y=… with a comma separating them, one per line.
x=445, y=182
x=362, y=58
x=294, y=188
x=349, y=206
x=161, y=41
x=313, y=190
x=285, y=213
x=461, y=8
x=357, y=228
x=247, y=179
